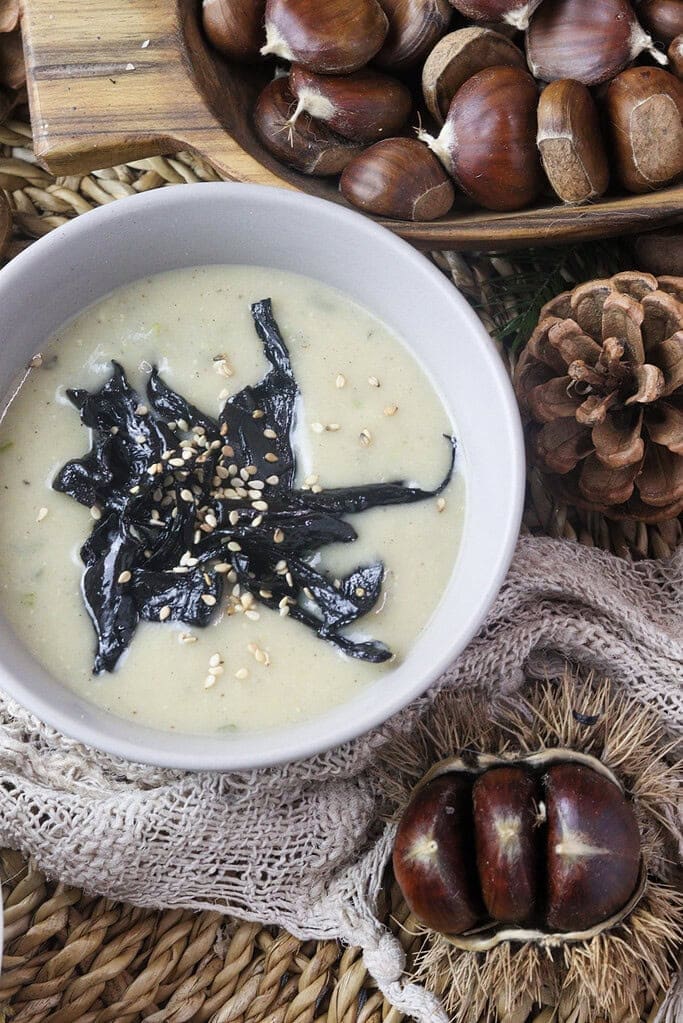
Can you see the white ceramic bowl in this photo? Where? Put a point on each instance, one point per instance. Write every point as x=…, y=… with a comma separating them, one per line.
x=227, y=223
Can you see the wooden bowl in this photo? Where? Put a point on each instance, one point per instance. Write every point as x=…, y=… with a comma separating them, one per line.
x=112, y=81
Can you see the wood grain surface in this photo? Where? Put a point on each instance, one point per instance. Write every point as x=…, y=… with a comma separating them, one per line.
x=112, y=81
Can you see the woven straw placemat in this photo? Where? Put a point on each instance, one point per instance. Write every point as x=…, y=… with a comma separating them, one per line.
x=74, y=957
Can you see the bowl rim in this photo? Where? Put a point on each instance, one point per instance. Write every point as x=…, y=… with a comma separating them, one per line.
x=321, y=733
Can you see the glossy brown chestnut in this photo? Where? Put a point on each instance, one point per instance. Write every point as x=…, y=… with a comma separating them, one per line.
x=333, y=37
x=235, y=27
x=308, y=145
x=593, y=848
x=432, y=856
x=505, y=801
x=364, y=106
x=663, y=18
x=457, y=57
x=588, y=40
x=488, y=141
x=645, y=115
x=398, y=178
x=570, y=142
x=514, y=12
x=414, y=27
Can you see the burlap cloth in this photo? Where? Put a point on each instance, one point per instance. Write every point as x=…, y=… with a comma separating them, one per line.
x=303, y=846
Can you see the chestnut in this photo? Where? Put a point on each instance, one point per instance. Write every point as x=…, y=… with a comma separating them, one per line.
x=488, y=141
x=645, y=114
x=364, y=106
x=663, y=18
x=307, y=144
x=398, y=178
x=235, y=27
x=414, y=27
x=570, y=142
x=433, y=857
x=505, y=822
x=675, y=55
x=331, y=38
x=593, y=848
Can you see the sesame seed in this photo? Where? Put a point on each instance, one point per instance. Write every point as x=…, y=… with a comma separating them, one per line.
x=208, y=599
x=183, y=425
x=278, y=536
x=36, y=362
x=222, y=395
x=260, y=656
x=317, y=427
x=316, y=488
x=214, y=660
x=257, y=521
x=272, y=481
x=360, y=592
x=270, y=434
x=252, y=615
x=187, y=495
x=270, y=456
x=241, y=673
x=216, y=669
x=290, y=579
x=165, y=613
x=232, y=470
x=244, y=475
x=125, y=577
x=313, y=478
x=441, y=504
x=114, y=430
x=252, y=470
x=281, y=567
x=266, y=594
x=332, y=427
x=391, y=410
x=257, y=484
x=211, y=520
x=141, y=410
x=340, y=381
x=259, y=505
x=210, y=681
x=222, y=472
x=96, y=513
x=227, y=451
x=177, y=463
x=187, y=637
x=247, y=599
x=365, y=438
x=284, y=602
x=222, y=568
x=232, y=576
x=234, y=517
x=42, y=512
x=234, y=546
x=308, y=593
x=258, y=413
x=284, y=610
x=252, y=648
x=373, y=381
x=255, y=495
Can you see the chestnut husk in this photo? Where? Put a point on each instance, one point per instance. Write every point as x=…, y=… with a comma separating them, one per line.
x=644, y=108
x=457, y=57
x=662, y=18
x=488, y=141
x=431, y=858
x=364, y=106
x=570, y=142
x=398, y=178
x=235, y=27
x=601, y=792
x=587, y=40
x=307, y=145
x=414, y=28
x=332, y=38
x=514, y=12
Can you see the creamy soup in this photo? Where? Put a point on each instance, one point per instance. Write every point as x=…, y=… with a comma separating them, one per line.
x=366, y=413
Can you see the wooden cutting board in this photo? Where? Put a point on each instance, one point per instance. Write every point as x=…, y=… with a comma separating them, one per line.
x=112, y=81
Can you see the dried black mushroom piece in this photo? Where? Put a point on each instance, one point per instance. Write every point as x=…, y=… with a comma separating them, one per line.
x=183, y=502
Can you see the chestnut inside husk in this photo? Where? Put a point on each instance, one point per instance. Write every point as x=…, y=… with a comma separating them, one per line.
x=545, y=848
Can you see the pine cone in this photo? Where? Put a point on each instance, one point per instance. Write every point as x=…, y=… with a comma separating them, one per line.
x=600, y=384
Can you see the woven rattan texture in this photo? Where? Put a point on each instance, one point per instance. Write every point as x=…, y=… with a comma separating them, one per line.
x=70, y=957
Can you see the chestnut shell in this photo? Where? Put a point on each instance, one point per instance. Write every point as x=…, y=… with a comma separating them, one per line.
x=433, y=856
x=593, y=848
x=505, y=823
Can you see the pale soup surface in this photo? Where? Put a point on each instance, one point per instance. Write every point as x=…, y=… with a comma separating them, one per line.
x=351, y=371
